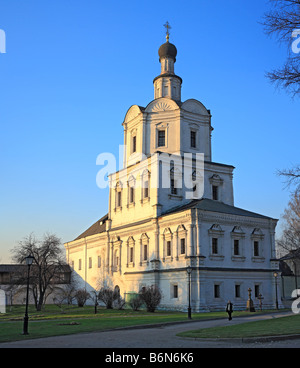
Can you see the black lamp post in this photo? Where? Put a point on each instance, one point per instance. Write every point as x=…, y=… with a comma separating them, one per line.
x=276, y=296
x=189, y=271
x=29, y=259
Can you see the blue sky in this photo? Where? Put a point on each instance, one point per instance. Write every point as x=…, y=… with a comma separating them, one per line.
x=73, y=68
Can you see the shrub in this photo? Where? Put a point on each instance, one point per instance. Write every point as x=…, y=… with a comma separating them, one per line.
x=151, y=296
x=119, y=302
x=107, y=296
x=81, y=296
x=136, y=302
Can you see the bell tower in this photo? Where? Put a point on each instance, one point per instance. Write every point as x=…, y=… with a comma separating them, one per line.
x=167, y=84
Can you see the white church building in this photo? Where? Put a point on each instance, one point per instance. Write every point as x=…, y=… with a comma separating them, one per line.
x=171, y=209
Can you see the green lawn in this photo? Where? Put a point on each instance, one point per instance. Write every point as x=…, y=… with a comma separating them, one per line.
x=51, y=321
x=288, y=325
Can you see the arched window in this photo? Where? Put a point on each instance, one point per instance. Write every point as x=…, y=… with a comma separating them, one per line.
x=117, y=290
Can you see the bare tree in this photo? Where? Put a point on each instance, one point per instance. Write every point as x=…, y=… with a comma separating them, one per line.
x=65, y=294
x=48, y=262
x=290, y=239
x=291, y=176
x=282, y=21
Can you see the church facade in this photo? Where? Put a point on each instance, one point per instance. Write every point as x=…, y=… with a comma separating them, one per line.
x=171, y=218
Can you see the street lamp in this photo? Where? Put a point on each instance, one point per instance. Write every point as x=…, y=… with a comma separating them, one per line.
x=189, y=271
x=29, y=259
x=276, y=300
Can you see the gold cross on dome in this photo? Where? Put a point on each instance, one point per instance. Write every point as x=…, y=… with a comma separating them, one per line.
x=167, y=26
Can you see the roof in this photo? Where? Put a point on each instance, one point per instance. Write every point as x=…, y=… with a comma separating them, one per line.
x=210, y=205
x=97, y=228
x=167, y=50
x=23, y=267
x=292, y=254
x=12, y=267
x=203, y=204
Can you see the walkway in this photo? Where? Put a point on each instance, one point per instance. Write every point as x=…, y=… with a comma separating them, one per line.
x=156, y=337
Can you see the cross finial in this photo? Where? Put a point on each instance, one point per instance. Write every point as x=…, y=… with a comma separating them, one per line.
x=167, y=26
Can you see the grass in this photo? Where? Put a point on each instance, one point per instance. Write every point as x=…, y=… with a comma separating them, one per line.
x=52, y=321
x=288, y=325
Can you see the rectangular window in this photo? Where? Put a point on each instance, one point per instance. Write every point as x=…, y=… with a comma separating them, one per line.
x=161, y=138
x=215, y=194
x=90, y=262
x=174, y=92
x=193, y=139
x=119, y=199
x=79, y=264
x=175, y=291
x=217, y=291
x=214, y=243
x=173, y=187
x=131, y=194
x=99, y=261
x=182, y=246
x=237, y=291
x=145, y=252
x=146, y=191
x=133, y=144
x=256, y=248
x=131, y=254
x=256, y=291
x=168, y=248
x=236, y=247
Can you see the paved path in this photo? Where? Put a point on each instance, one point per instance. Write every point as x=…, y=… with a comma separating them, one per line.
x=157, y=337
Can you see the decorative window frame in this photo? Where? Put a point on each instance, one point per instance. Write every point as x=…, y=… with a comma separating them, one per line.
x=116, y=244
x=257, y=235
x=237, y=233
x=193, y=128
x=159, y=127
x=181, y=233
x=167, y=236
x=176, y=175
x=144, y=240
x=216, y=180
x=145, y=177
x=196, y=179
x=215, y=231
x=131, y=184
x=118, y=189
x=116, y=260
x=130, y=244
x=133, y=133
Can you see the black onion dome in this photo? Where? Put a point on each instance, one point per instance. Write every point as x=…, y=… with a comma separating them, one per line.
x=167, y=50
